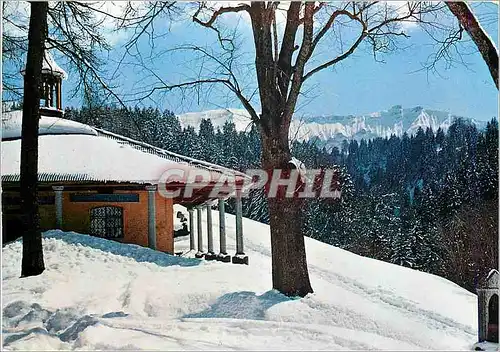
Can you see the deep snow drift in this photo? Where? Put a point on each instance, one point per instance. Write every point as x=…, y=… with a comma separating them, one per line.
x=97, y=294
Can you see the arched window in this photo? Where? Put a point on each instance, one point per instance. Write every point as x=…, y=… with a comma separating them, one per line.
x=106, y=222
x=493, y=309
x=493, y=319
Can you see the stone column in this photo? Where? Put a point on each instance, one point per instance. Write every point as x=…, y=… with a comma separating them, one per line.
x=151, y=216
x=482, y=310
x=210, y=253
x=200, y=253
x=191, y=229
x=239, y=257
x=222, y=256
x=59, y=205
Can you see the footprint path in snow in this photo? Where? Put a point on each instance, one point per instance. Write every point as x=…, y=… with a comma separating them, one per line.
x=398, y=303
x=237, y=334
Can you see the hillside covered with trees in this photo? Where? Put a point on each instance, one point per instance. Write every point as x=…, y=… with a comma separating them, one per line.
x=426, y=201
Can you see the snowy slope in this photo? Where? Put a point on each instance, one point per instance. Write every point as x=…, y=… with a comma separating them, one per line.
x=333, y=129
x=97, y=294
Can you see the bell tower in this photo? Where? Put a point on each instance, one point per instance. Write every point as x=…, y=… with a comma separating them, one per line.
x=51, y=94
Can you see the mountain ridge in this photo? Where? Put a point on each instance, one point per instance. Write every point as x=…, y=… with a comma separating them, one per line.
x=332, y=130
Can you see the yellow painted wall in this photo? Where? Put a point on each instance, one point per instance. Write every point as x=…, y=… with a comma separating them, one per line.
x=76, y=217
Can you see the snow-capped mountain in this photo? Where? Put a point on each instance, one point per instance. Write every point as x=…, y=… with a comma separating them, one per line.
x=239, y=117
x=333, y=129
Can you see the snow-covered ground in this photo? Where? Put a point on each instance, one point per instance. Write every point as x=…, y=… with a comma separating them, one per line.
x=97, y=294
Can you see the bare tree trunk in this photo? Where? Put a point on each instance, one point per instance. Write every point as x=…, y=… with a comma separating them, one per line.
x=280, y=74
x=484, y=43
x=32, y=262
x=289, y=264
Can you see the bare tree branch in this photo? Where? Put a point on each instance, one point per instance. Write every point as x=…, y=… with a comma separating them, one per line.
x=345, y=54
x=215, y=15
x=484, y=43
x=305, y=53
x=280, y=75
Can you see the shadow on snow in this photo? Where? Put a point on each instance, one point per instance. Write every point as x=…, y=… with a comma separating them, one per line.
x=241, y=305
x=138, y=253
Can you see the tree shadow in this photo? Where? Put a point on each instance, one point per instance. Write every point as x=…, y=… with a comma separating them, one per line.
x=138, y=253
x=241, y=305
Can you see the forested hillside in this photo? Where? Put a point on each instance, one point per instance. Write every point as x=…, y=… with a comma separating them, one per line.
x=427, y=201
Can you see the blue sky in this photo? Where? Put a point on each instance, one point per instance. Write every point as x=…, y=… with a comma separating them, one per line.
x=358, y=85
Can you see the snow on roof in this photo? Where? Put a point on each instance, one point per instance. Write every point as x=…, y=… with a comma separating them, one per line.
x=94, y=158
x=12, y=122
x=491, y=280
x=50, y=66
x=148, y=148
x=71, y=151
x=90, y=158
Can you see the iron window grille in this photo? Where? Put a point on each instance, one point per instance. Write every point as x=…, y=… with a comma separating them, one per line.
x=106, y=222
